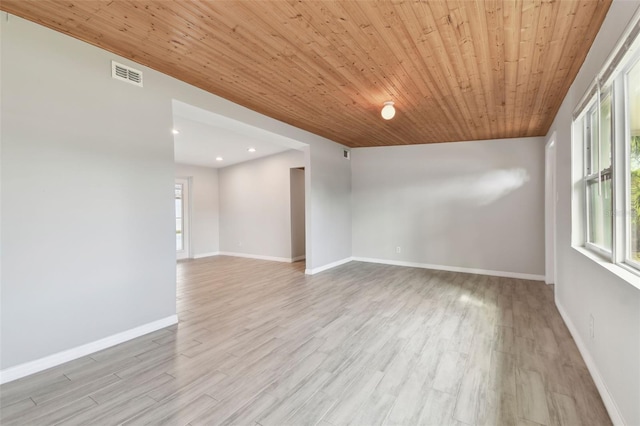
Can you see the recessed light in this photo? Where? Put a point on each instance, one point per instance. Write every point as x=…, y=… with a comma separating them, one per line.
x=175, y=132
x=219, y=158
x=251, y=150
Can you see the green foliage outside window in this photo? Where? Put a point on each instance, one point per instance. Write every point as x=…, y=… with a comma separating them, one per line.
x=634, y=160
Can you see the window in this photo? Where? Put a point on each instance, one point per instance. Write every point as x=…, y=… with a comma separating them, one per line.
x=607, y=123
x=598, y=175
x=633, y=141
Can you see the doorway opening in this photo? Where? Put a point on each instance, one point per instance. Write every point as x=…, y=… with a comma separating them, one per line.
x=182, y=218
x=298, y=226
x=551, y=198
x=247, y=194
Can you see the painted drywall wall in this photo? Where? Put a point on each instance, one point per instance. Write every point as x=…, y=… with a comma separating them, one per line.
x=255, y=209
x=87, y=192
x=476, y=205
x=203, y=223
x=328, y=183
x=583, y=287
x=296, y=179
x=88, y=249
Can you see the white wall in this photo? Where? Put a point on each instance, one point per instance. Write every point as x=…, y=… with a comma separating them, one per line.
x=255, y=208
x=476, y=205
x=204, y=231
x=87, y=192
x=329, y=185
x=584, y=287
x=298, y=228
x=87, y=202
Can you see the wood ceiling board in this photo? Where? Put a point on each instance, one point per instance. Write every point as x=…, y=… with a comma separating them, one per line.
x=456, y=70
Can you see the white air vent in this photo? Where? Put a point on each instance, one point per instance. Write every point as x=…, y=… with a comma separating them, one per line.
x=125, y=73
x=346, y=154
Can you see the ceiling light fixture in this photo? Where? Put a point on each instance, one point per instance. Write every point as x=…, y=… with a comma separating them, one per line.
x=251, y=150
x=388, y=110
x=219, y=158
x=175, y=132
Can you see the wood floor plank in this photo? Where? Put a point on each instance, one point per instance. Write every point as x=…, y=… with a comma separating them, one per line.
x=78, y=388
x=15, y=410
x=469, y=396
x=292, y=401
x=172, y=389
x=27, y=387
x=260, y=343
x=252, y=410
x=130, y=388
x=500, y=408
x=350, y=402
x=374, y=411
x=565, y=409
x=179, y=411
x=409, y=402
x=502, y=373
x=437, y=409
x=396, y=373
x=294, y=376
x=588, y=402
x=532, y=400
x=114, y=412
x=55, y=414
x=43, y=382
x=313, y=410
x=449, y=372
x=99, y=369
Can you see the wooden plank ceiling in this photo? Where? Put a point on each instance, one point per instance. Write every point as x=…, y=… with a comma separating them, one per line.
x=456, y=70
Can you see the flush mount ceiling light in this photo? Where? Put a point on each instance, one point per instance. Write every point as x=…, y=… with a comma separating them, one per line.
x=251, y=150
x=175, y=132
x=388, y=110
x=219, y=158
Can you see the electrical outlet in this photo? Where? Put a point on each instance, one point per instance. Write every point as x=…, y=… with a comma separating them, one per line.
x=592, y=333
x=398, y=249
x=239, y=243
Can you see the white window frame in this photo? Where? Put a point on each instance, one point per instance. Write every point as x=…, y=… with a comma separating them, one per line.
x=632, y=62
x=614, y=80
x=588, y=175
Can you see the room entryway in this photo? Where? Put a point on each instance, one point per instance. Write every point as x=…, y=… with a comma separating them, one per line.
x=182, y=218
x=298, y=226
x=550, y=210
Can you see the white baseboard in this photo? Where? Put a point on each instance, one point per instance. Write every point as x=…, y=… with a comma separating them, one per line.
x=327, y=266
x=256, y=256
x=32, y=367
x=607, y=398
x=452, y=268
x=201, y=255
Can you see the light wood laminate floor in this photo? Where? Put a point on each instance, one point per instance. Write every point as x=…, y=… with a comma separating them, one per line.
x=260, y=343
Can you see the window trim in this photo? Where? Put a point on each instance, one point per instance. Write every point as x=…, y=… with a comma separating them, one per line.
x=613, y=81
x=633, y=61
x=591, y=108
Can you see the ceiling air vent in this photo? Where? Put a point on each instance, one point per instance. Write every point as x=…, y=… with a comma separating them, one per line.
x=125, y=73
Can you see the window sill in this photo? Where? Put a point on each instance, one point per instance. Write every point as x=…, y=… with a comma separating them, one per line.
x=621, y=271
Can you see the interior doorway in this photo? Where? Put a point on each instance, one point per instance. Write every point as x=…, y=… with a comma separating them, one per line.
x=182, y=218
x=298, y=221
x=550, y=210
x=237, y=201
